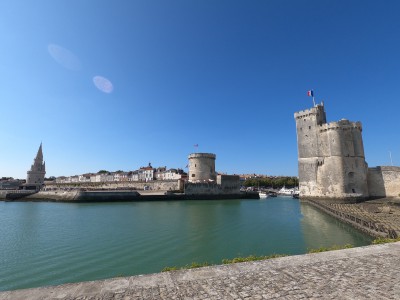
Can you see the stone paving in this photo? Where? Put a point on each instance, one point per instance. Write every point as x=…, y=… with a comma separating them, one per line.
x=371, y=272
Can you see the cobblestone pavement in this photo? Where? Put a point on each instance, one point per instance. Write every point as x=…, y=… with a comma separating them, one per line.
x=371, y=272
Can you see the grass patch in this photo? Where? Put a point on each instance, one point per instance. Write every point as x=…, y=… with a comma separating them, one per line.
x=193, y=265
x=167, y=269
x=384, y=241
x=324, y=249
x=250, y=258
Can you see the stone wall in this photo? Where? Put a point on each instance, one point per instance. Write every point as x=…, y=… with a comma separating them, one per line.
x=229, y=183
x=210, y=188
x=225, y=185
x=384, y=181
x=155, y=185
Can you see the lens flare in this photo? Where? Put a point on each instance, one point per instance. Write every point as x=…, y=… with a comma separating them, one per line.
x=64, y=57
x=103, y=84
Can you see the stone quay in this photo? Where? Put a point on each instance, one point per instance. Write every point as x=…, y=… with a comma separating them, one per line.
x=370, y=272
x=379, y=218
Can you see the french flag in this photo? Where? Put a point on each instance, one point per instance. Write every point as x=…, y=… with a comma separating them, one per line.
x=310, y=93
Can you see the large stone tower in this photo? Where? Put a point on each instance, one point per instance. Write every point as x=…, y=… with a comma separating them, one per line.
x=35, y=176
x=202, y=167
x=330, y=157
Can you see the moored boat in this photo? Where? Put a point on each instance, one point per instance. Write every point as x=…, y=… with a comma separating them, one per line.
x=285, y=192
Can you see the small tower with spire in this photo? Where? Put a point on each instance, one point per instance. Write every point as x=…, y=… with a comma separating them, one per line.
x=35, y=176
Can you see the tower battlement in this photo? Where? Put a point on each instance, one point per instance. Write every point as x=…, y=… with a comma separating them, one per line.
x=202, y=155
x=311, y=111
x=343, y=124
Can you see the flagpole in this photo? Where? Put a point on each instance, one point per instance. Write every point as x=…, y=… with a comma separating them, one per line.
x=311, y=93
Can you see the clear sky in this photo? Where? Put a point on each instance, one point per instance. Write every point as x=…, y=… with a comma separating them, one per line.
x=118, y=84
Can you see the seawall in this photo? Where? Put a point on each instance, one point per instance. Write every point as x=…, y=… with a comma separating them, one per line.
x=122, y=196
x=370, y=272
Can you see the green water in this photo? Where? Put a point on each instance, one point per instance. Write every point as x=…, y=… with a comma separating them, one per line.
x=53, y=243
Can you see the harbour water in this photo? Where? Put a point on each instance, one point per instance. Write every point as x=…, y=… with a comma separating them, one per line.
x=44, y=243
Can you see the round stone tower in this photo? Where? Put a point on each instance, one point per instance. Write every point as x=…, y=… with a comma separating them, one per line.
x=202, y=167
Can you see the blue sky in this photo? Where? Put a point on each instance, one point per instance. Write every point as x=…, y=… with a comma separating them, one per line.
x=226, y=75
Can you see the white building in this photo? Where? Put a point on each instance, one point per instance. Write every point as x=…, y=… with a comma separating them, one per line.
x=146, y=173
x=174, y=174
x=159, y=173
x=133, y=176
x=75, y=179
x=84, y=178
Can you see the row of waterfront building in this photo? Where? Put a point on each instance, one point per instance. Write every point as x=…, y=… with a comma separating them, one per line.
x=202, y=177
x=142, y=174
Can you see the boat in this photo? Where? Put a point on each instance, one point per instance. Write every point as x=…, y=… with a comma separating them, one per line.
x=296, y=195
x=286, y=192
x=263, y=195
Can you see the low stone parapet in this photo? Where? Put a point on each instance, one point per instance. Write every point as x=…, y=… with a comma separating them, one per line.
x=370, y=272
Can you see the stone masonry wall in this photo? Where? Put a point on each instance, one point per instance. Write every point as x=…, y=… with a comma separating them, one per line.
x=156, y=185
x=384, y=181
x=202, y=167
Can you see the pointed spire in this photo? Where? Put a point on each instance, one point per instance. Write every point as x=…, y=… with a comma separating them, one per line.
x=39, y=155
x=38, y=169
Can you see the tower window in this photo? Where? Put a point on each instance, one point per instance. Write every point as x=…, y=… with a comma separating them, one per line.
x=193, y=175
x=309, y=127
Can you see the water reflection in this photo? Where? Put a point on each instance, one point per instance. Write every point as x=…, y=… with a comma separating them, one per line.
x=322, y=230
